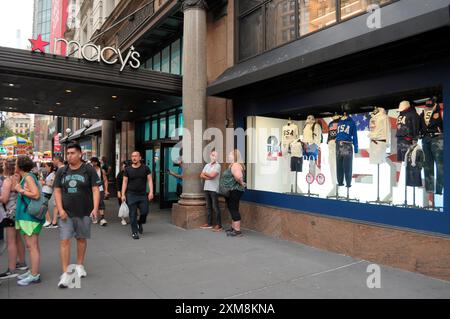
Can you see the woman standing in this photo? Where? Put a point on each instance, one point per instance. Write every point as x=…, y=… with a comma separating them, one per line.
x=47, y=191
x=233, y=180
x=95, y=162
x=28, y=225
x=8, y=198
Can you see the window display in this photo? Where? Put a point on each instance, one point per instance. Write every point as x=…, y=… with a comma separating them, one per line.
x=390, y=155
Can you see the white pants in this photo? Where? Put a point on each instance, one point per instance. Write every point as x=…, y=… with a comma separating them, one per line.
x=377, y=152
x=332, y=161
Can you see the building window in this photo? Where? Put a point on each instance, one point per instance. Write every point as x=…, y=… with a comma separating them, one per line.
x=175, y=58
x=251, y=40
x=165, y=60
x=172, y=125
x=262, y=24
x=162, y=127
x=154, y=129
x=157, y=62
x=147, y=131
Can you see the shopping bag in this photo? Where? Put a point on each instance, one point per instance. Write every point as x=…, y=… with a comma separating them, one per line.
x=124, y=212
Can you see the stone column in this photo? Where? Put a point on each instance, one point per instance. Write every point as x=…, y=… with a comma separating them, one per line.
x=194, y=99
x=107, y=147
x=190, y=212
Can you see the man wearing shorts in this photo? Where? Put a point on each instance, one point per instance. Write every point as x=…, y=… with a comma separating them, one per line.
x=77, y=197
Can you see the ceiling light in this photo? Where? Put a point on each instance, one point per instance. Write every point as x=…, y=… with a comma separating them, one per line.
x=114, y=96
x=11, y=84
x=50, y=111
x=131, y=111
x=154, y=101
x=58, y=103
x=96, y=107
x=68, y=91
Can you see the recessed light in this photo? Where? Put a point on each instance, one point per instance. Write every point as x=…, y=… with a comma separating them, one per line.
x=68, y=91
x=58, y=103
x=154, y=101
x=131, y=111
x=96, y=107
x=114, y=117
x=11, y=84
x=84, y=114
x=114, y=96
x=50, y=111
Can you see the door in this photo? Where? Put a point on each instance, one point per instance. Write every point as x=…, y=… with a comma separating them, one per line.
x=169, y=161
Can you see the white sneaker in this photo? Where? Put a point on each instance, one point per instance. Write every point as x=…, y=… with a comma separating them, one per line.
x=64, y=281
x=103, y=222
x=46, y=224
x=81, y=272
x=94, y=220
x=124, y=222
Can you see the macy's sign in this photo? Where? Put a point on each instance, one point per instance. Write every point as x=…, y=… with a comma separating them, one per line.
x=93, y=53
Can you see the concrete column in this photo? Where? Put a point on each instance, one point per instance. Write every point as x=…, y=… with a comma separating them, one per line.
x=194, y=99
x=108, y=141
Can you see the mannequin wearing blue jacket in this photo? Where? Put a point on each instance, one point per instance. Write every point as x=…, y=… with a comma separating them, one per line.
x=346, y=145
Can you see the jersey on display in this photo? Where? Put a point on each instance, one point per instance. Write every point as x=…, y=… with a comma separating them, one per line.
x=332, y=130
x=347, y=132
x=289, y=134
x=312, y=133
x=431, y=122
x=297, y=148
x=408, y=124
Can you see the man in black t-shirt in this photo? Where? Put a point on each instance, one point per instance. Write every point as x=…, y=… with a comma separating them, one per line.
x=77, y=197
x=134, y=192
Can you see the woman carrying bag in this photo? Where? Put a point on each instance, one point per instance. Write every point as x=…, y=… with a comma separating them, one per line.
x=233, y=187
x=28, y=225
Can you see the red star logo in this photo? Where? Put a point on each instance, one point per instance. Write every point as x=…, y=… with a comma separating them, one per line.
x=38, y=44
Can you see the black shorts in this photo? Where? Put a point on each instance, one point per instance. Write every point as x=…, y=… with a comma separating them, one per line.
x=7, y=222
x=296, y=164
x=402, y=147
x=101, y=206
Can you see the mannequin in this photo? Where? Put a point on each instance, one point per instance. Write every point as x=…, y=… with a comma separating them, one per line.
x=289, y=134
x=415, y=160
x=331, y=141
x=380, y=135
x=296, y=148
x=346, y=145
x=432, y=133
x=408, y=124
x=312, y=137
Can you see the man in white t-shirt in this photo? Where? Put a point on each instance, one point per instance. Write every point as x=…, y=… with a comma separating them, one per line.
x=211, y=176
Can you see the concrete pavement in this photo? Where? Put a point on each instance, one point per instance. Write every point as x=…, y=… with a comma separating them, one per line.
x=170, y=262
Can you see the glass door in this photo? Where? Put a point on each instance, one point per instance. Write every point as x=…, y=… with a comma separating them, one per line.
x=169, y=161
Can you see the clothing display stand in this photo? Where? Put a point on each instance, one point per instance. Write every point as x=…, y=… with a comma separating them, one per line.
x=296, y=187
x=337, y=194
x=378, y=201
x=309, y=194
x=405, y=204
x=433, y=207
x=348, y=199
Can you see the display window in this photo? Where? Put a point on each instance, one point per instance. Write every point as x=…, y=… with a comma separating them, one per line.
x=380, y=155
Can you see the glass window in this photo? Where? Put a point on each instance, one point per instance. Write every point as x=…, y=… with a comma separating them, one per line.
x=180, y=124
x=278, y=21
x=165, y=62
x=147, y=131
x=245, y=5
x=316, y=14
x=154, y=129
x=162, y=128
x=251, y=40
x=157, y=62
x=175, y=59
x=350, y=8
x=172, y=125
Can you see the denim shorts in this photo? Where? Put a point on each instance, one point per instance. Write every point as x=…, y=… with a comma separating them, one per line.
x=78, y=227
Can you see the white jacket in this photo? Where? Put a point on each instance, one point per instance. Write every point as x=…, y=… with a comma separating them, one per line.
x=379, y=126
x=308, y=134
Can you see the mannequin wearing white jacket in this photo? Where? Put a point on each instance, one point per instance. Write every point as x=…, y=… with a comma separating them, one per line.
x=312, y=137
x=380, y=135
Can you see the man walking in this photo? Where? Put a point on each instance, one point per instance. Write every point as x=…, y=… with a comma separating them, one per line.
x=134, y=192
x=211, y=176
x=77, y=197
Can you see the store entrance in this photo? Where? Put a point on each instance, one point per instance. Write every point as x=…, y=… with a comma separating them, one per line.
x=162, y=158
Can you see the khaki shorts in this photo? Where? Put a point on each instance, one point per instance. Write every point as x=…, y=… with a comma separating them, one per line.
x=78, y=227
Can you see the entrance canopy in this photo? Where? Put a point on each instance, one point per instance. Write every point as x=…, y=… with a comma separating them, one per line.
x=65, y=86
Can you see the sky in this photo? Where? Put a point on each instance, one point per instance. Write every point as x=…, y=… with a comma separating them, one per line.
x=16, y=15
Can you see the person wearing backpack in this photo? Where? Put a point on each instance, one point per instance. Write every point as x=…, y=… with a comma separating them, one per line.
x=29, y=226
x=104, y=193
x=8, y=201
x=77, y=197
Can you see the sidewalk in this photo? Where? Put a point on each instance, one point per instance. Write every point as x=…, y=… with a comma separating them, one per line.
x=169, y=262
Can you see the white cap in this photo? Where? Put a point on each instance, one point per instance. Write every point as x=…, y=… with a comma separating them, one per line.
x=404, y=105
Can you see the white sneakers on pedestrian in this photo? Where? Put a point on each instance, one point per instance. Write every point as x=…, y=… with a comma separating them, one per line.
x=81, y=271
x=64, y=281
x=103, y=222
x=30, y=279
x=47, y=224
x=123, y=222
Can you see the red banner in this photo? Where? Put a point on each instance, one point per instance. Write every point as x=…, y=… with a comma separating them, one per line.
x=59, y=23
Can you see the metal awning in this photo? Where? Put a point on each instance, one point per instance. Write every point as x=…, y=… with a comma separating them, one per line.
x=96, y=127
x=57, y=85
x=400, y=20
